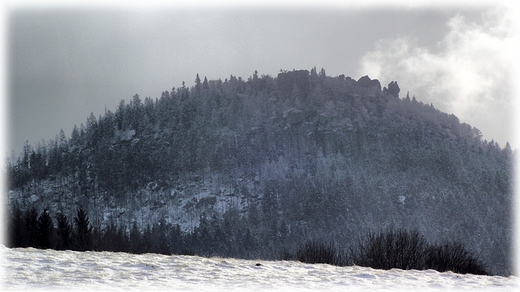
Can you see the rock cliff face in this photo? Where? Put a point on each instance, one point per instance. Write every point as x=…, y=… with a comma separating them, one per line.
x=393, y=89
x=366, y=82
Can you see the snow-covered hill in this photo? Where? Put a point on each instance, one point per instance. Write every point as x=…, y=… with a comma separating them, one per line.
x=34, y=269
x=275, y=161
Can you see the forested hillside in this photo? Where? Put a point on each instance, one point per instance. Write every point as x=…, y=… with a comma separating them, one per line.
x=255, y=166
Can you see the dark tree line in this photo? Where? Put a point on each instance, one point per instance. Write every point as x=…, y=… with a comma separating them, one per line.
x=212, y=237
x=39, y=230
x=400, y=249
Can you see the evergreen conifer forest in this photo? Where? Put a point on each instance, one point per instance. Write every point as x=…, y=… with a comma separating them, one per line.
x=250, y=168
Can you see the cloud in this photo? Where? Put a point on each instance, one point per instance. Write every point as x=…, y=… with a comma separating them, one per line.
x=469, y=73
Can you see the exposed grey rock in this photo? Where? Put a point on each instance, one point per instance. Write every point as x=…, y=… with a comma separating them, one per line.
x=294, y=116
x=366, y=82
x=393, y=89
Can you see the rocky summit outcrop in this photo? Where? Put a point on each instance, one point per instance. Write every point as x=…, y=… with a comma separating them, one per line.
x=366, y=82
x=393, y=89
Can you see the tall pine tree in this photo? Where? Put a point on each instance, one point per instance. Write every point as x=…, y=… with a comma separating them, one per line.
x=64, y=232
x=83, y=235
x=45, y=230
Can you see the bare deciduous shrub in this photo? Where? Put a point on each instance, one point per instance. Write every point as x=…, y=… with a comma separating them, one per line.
x=315, y=252
x=394, y=249
x=453, y=257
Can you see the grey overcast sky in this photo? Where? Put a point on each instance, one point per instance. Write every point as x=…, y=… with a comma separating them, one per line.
x=64, y=62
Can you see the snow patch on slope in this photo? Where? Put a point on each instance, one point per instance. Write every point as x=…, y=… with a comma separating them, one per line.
x=182, y=204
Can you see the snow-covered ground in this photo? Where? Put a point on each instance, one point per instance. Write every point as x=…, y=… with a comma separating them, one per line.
x=33, y=269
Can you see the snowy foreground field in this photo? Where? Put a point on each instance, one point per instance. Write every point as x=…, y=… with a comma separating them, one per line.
x=33, y=269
